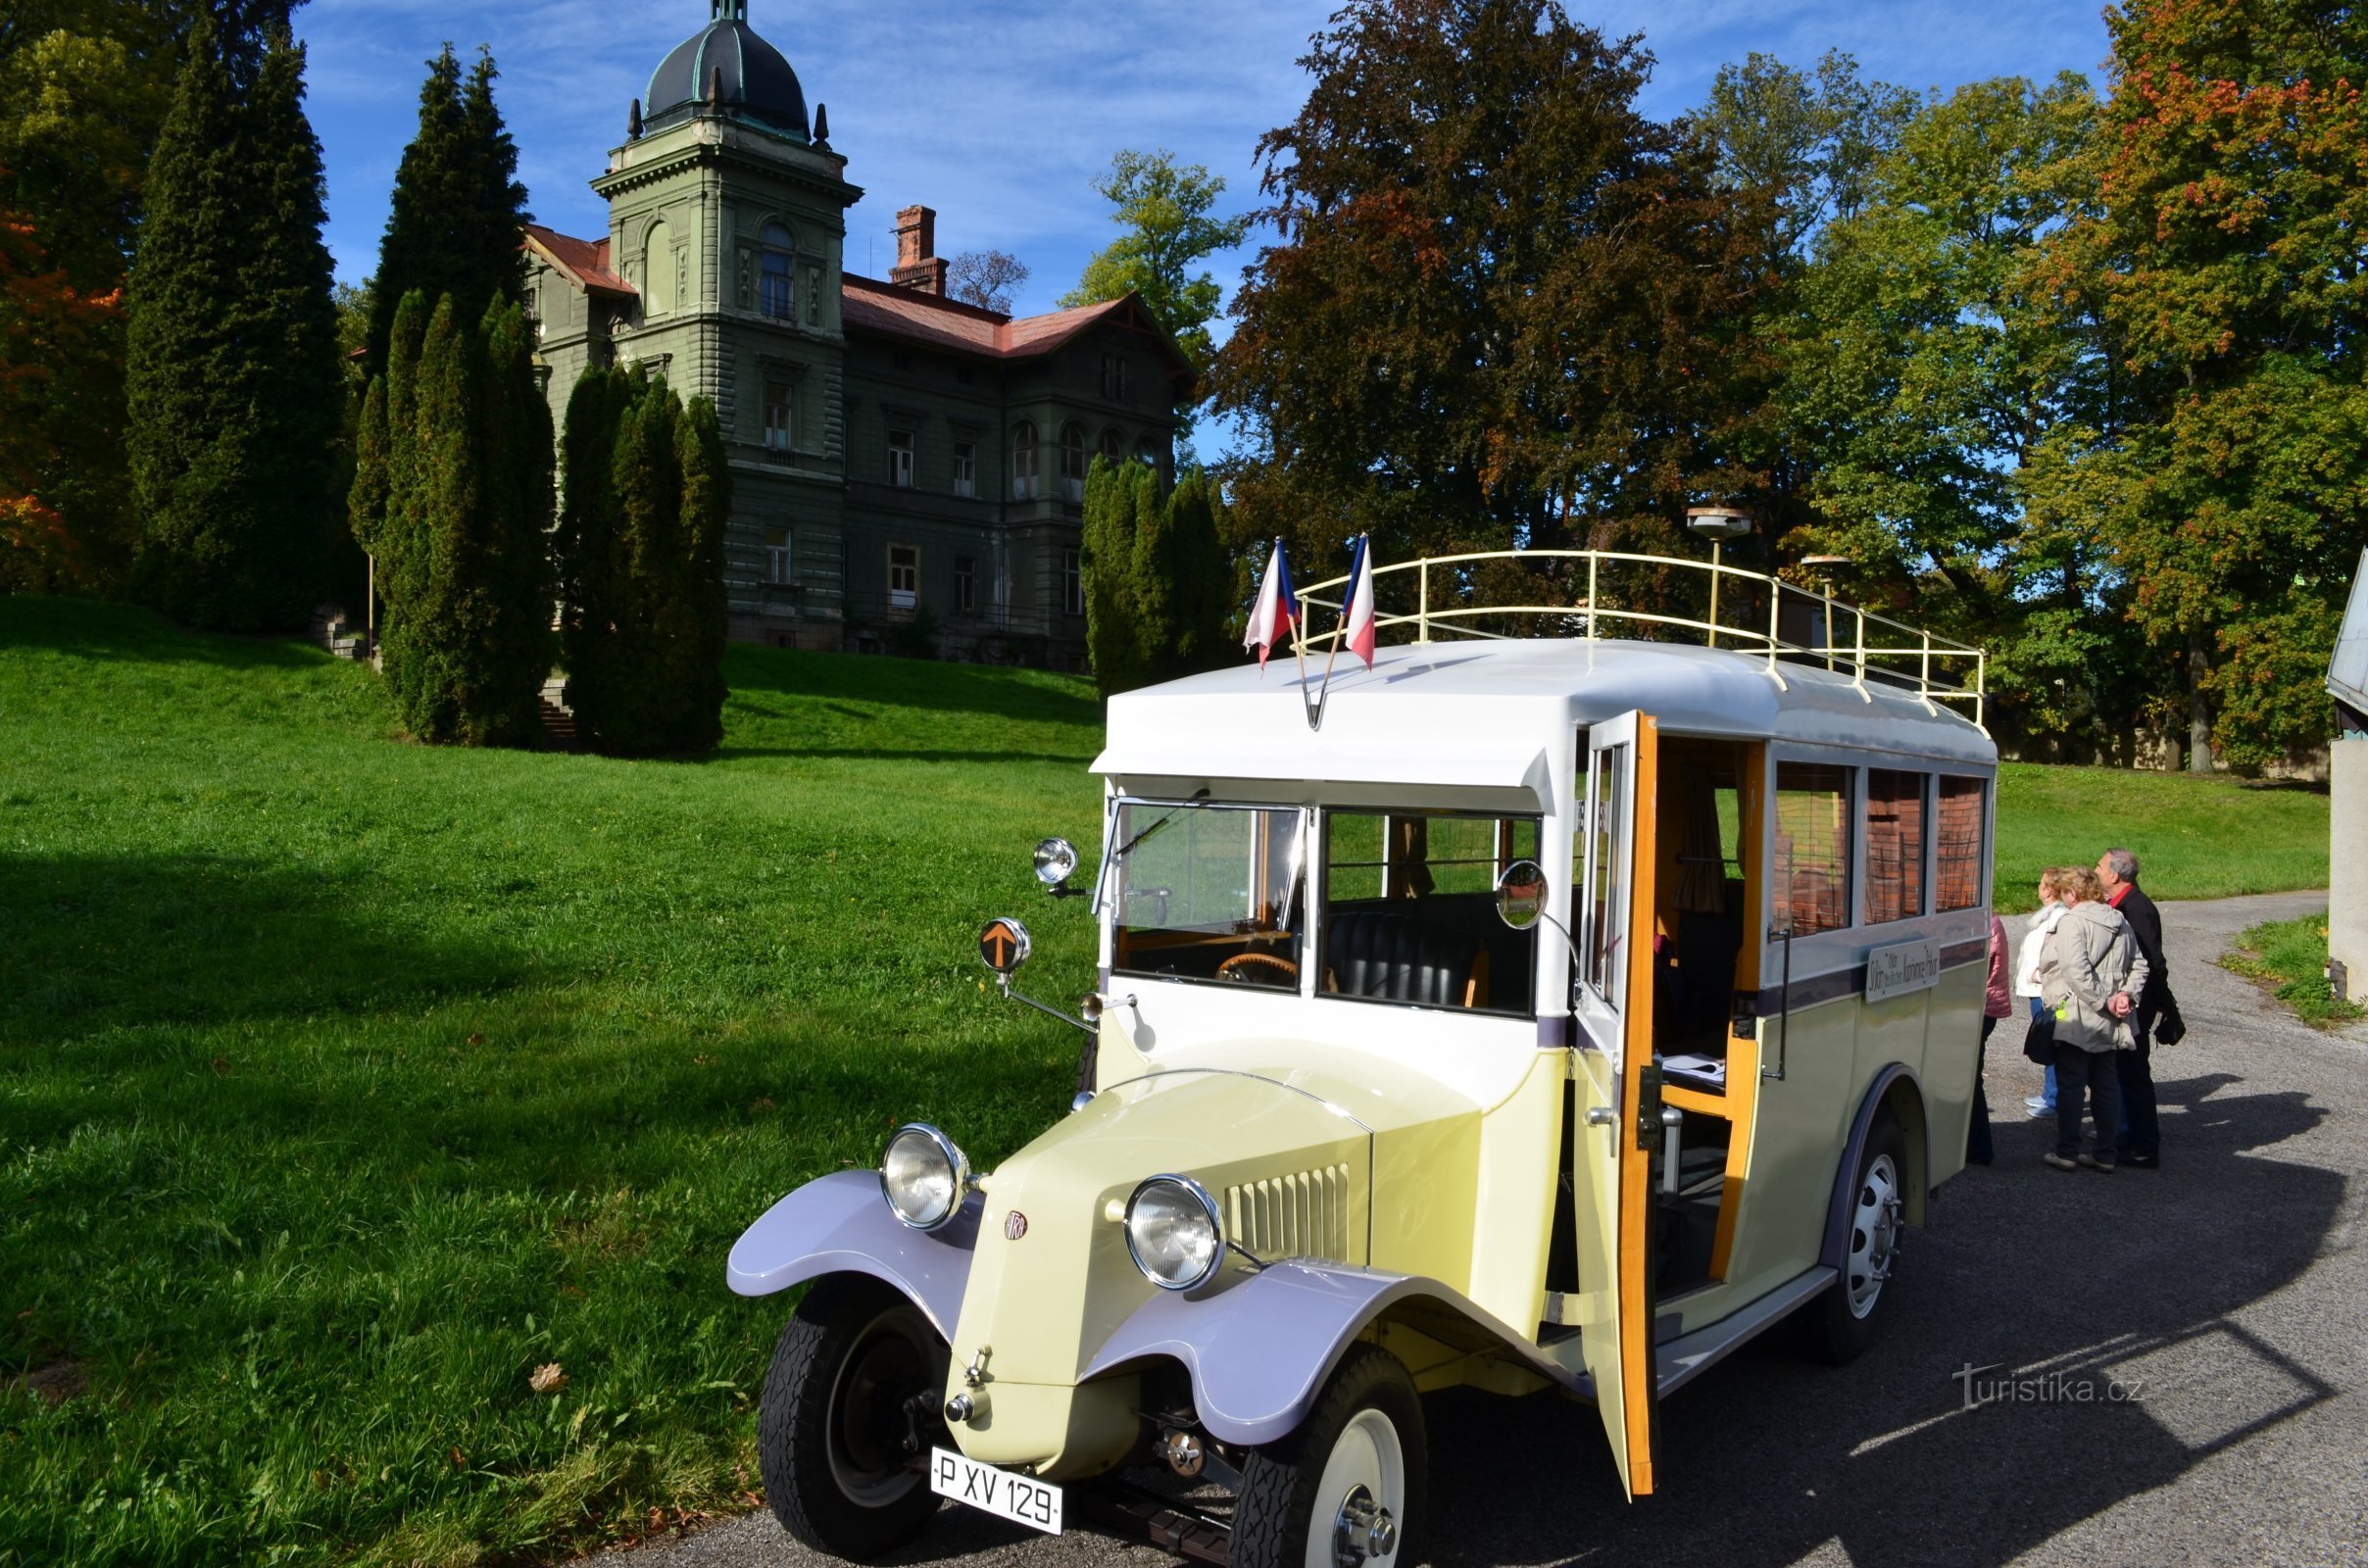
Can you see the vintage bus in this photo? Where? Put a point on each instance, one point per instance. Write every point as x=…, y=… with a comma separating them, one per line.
x=1541, y=1012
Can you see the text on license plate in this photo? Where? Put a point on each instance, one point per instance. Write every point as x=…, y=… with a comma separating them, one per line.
x=1022, y=1499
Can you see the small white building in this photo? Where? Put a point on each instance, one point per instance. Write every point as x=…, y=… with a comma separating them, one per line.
x=2347, y=788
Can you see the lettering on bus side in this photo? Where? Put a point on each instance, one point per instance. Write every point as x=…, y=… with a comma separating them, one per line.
x=1898, y=970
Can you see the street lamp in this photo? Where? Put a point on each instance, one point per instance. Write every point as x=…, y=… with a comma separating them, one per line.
x=1718, y=525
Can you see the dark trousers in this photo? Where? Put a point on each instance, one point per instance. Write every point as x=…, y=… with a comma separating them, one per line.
x=2136, y=1069
x=1977, y=1135
x=2095, y=1071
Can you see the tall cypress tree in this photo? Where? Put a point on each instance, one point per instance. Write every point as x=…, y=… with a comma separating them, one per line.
x=641, y=546
x=587, y=536
x=1106, y=558
x=461, y=541
x=453, y=227
x=1201, y=582
x=227, y=357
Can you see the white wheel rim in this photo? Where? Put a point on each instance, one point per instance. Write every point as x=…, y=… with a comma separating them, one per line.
x=871, y=1489
x=1874, y=1234
x=1367, y=1454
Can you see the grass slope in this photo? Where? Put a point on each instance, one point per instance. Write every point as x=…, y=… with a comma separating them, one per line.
x=2290, y=958
x=343, y=1082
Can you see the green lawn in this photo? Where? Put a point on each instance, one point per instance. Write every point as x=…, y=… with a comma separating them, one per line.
x=2290, y=957
x=343, y=1082
x=2195, y=838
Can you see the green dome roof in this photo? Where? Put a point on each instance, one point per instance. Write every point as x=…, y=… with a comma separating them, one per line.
x=749, y=78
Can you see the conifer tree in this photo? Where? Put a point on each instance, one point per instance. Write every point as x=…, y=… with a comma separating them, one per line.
x=1105, y=556
x=587, y=537
x=1202, y=580
x=460, y=540
x=1157, y=588
x=454, y=225
x=227, y=354
x=642, y=557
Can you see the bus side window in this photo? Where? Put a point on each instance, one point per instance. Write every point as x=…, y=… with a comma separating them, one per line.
x=1957, y=852
x=1814, y=836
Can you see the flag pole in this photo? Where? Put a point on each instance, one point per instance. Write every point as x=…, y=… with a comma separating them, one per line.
x=1315, y=714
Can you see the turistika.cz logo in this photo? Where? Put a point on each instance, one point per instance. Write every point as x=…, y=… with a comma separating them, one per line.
x=2049, y=1388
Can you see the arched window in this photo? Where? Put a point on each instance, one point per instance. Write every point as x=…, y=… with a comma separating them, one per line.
x=658, y=270
x=775, y=294
x=1112, y=445
x=1072, y=462
x=1023, y=462
x=1145, y=454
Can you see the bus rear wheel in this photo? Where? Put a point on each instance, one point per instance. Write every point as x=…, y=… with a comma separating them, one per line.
x=1844, y=1321
x=1346, y=1489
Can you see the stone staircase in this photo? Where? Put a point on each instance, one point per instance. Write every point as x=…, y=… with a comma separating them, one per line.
x=558, y=724
x=333, y=629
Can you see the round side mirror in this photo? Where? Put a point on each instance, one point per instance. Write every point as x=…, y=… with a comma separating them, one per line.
x=1003, y=946
x=1521, y=895
x=1056, y=861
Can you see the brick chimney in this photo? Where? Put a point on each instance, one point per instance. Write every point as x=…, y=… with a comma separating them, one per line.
x=918, y=264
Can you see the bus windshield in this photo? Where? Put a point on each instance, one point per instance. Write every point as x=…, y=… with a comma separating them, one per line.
x=1210, y=893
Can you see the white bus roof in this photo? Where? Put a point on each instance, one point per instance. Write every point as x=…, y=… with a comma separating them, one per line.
x=1488, y=713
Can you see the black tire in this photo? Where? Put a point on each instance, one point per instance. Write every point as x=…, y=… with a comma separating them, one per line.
x=1280, y=1507
x=832, y=1428
x=1843, y=1320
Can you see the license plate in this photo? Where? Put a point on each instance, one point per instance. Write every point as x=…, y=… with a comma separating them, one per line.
x=1022, y=1499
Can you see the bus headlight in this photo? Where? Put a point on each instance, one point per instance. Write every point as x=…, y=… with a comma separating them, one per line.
x=924, y=1176
x=1173, y=1232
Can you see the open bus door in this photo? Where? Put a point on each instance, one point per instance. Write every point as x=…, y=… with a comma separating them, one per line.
x=1618, y=1088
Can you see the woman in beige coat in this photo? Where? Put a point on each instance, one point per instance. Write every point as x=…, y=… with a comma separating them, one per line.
x=2090, y=975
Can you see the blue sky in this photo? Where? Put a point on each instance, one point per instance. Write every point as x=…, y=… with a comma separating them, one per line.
x=998, y=113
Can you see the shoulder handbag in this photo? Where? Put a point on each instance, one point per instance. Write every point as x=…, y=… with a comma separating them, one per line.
x=2039, y=1042
x=2169, y=1027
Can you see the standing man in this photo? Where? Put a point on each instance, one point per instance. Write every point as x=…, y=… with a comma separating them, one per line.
x=2140, y=1142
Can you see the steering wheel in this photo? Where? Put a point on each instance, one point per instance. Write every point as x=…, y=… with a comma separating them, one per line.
x=1234, y=968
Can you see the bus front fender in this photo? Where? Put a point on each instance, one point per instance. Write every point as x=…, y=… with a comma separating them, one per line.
x=839, y=1224
x=1258, y=1353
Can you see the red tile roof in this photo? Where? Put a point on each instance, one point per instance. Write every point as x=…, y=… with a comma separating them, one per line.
x=869, y=305
x=584, y=260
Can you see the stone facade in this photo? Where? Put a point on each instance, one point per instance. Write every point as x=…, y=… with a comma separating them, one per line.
x=907, y=471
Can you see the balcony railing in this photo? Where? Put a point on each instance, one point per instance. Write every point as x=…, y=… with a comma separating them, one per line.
x=1592, y=594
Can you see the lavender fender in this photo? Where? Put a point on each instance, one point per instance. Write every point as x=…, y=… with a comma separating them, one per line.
x=839, y=1224
x=1259, y=1352
x=1844, y=1202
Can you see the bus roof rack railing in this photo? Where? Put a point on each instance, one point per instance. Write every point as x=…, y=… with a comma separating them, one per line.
x=1779, y=621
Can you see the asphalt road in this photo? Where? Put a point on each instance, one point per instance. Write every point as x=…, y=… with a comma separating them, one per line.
x=2229, y=1291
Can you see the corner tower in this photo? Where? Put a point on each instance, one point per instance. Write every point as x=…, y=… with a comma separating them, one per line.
x=728, y=224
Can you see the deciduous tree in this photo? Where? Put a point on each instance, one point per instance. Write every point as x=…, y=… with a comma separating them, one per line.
x=1497, y=308
x=986, y=278
x=1167, y=213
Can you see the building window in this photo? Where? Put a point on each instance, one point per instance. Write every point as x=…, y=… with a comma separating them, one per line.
x=1957, y=856
x=1113, y=377
x=965, y=468
x=1895, y=846
x=775, y=296
x=780, y=559
x=658, y=268
x=1114, y=446
x=904, y=576
x=1023, y=462
x=1145, y=454
x=1072, y=584
x=965, y=584
x=900, y=459
x=1812, y=848
x=777, y=416
x=1072, y=464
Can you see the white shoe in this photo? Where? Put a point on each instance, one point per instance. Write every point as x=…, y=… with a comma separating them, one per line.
x=2042, y=1110
x=2038, y=1101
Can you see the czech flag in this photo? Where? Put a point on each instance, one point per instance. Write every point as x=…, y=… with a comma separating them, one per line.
x=1276, y=611
x=1357, y=613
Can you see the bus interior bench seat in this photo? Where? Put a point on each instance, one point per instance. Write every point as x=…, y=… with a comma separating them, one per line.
x=1399, y=957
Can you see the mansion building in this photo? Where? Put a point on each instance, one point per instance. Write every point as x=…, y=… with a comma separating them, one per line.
x=903, y=465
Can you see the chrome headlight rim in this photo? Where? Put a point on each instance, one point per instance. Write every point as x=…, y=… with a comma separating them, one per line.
x=1208, y=1207
x=957, y=1165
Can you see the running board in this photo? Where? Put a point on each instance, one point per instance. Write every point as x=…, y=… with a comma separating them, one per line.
x=1681, y=1361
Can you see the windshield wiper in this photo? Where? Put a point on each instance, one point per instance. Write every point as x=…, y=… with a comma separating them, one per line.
x=1155, y=824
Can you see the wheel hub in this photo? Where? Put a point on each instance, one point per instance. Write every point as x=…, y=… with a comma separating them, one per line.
x=1363, y=1529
